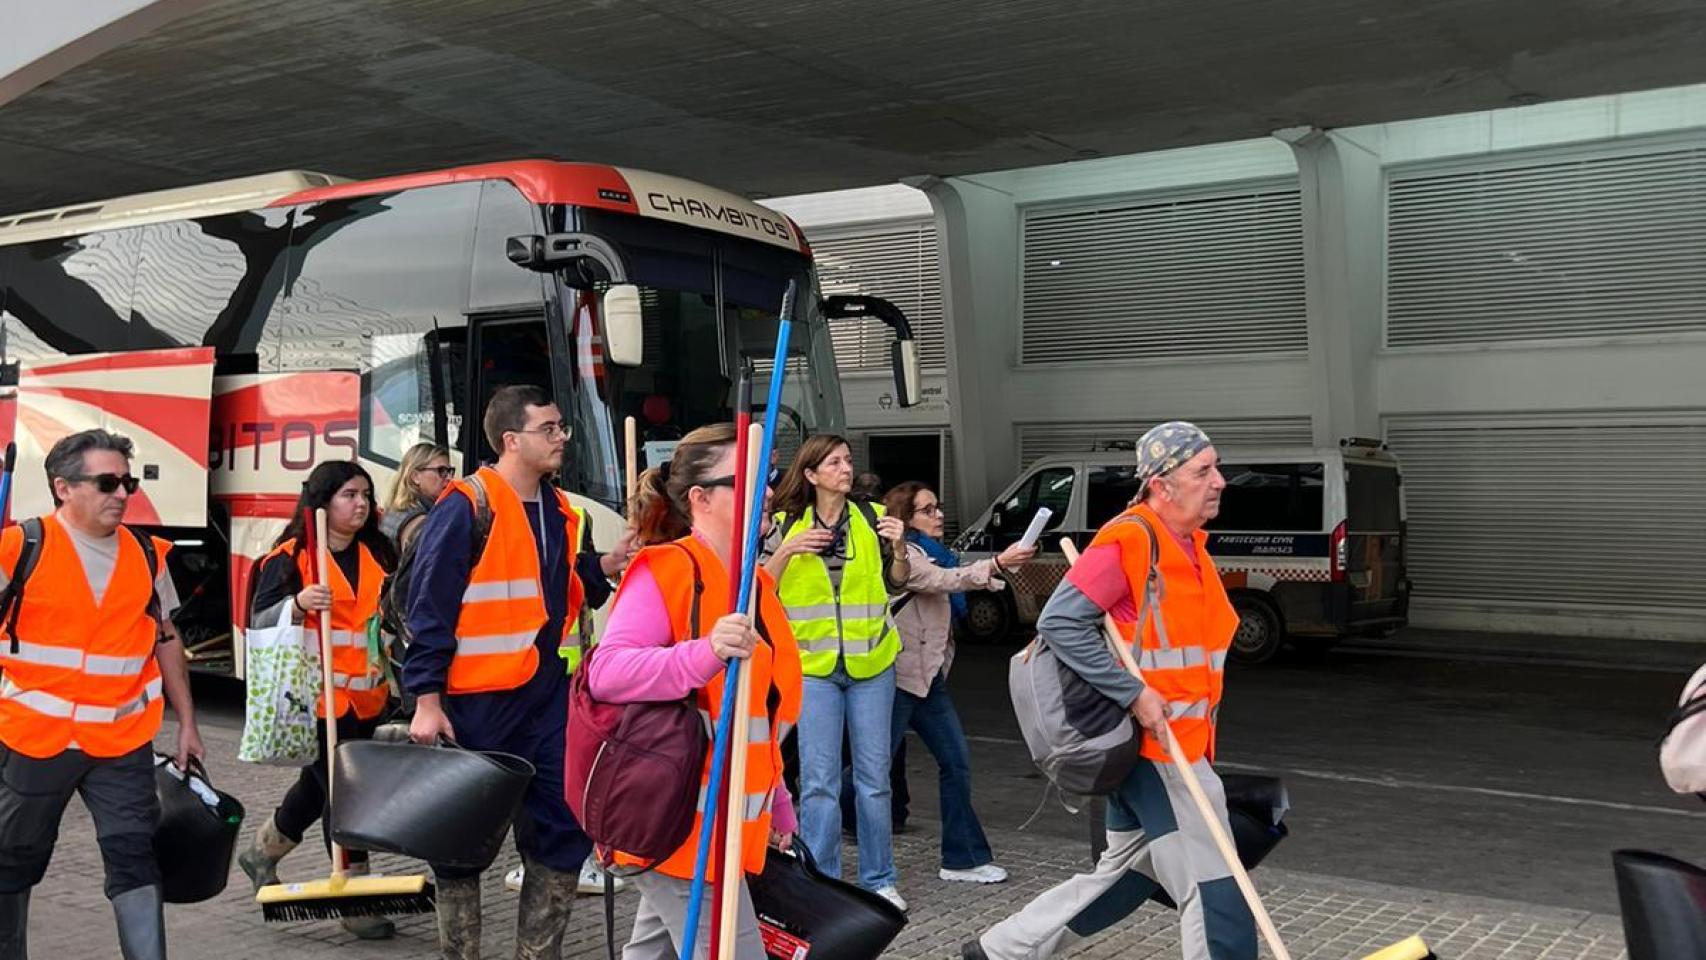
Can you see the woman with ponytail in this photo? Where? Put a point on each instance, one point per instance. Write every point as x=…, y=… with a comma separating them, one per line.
x=669, y=636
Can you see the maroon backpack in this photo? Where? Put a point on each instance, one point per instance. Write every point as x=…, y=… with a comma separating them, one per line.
x=632, y=771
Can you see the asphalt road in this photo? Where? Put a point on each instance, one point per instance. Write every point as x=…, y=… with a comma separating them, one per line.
x=1501, y=773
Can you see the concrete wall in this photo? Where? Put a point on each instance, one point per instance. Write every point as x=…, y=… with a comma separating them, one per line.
x=42, y=40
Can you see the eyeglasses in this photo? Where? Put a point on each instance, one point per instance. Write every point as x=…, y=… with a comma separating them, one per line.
x=109, y=482
x=560, y=430
x=444, y=473
x=728, y=480
x=931, y=510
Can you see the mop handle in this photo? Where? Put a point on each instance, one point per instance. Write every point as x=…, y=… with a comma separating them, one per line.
x=631, y=444
x=322, y=560
x=731, y=673
x=1228, y=852
x=734, y=810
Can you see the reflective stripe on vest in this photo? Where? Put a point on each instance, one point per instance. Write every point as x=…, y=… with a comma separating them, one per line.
x=776, y=686
x=1184, y=626
x=852, y=623
x=573, y=643
x=84, y=674
x=503, y=606
x=358, y=680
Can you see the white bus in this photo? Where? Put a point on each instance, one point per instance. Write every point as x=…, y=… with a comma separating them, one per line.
x=243, y=331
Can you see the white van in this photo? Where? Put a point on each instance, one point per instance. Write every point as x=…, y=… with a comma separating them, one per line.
x=1309, y=541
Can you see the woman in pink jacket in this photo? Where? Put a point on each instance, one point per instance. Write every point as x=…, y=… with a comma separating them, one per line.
x=924, y=617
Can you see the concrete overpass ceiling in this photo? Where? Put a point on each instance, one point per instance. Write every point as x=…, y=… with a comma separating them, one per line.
x=788, y=96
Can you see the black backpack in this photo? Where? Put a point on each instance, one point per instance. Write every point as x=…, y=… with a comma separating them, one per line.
x=394, y=592
x=12, y=597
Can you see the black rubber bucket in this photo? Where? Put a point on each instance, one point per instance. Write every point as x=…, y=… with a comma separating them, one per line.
x=1664, y=905
x=801, y=909
x=445, y=805
x=196, y=836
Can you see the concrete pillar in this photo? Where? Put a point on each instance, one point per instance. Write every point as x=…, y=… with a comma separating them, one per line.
x=42, y=39
x=1343, y=249
x=978, y=234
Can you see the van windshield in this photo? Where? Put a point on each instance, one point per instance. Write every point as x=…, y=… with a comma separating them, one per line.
x=1371, y=493
x=1271, y=496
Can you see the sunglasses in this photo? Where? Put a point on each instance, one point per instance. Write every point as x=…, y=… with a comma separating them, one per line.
x=770, y=479
x=109, y=482
x=444, y=473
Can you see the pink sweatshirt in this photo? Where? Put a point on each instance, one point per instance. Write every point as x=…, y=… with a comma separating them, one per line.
x=638, y=662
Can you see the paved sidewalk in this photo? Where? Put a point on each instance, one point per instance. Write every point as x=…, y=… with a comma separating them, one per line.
x=1322, y=918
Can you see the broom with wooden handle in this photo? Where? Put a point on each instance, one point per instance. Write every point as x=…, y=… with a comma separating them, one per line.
x=339, y=895
x=1411, y=949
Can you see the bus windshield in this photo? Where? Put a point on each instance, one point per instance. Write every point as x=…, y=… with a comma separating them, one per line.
x=704, y=317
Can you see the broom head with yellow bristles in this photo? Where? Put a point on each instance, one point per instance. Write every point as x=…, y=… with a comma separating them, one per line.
x=346, y=896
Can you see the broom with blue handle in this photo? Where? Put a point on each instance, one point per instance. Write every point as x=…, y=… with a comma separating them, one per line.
x=732, y=673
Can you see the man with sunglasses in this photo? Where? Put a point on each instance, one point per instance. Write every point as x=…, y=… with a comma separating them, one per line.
x=486, y=660
x=90, y=658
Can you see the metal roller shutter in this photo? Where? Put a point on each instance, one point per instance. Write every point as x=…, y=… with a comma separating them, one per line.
x=1200, y=276
x=897, y=262
x=1584, y=247
x=1554, y=512
x=1038, y=440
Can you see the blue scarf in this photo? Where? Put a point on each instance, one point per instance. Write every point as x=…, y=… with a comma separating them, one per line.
x=942, y=557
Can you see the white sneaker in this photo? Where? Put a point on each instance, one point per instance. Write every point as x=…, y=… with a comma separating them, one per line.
x=592, y=881
x=988, y=873
x=512, y=879
x=893, y=896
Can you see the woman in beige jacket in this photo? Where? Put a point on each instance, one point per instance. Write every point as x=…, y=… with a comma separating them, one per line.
x=924, y=617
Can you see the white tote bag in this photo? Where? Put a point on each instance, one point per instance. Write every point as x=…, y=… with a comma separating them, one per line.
x=1682, y=753
x=282, y=680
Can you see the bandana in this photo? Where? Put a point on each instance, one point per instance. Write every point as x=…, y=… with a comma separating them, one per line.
x=1165, y=448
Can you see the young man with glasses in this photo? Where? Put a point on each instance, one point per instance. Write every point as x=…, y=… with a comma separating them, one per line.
x=90, y=658
x=490, y=637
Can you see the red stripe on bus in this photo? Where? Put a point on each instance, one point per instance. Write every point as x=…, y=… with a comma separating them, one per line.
x=540, y=181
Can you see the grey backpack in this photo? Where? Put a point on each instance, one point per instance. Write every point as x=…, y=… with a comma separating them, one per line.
x=1081, y=740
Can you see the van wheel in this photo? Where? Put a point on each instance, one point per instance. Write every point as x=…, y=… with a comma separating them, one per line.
x=1259, y=635
x=989, y=618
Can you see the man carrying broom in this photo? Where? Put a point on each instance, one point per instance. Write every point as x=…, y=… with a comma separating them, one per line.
x=484, y=663
x=1181, y=633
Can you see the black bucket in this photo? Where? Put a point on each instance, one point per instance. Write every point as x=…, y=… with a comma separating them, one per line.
x=1664, y=905
x=196, y=836
x=445, y=805
x=802, y=912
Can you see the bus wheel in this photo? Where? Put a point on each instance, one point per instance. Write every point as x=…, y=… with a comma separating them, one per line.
x=989, y=618
x=1259, y=635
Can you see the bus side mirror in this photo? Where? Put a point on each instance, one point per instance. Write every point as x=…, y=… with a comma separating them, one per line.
x=624, y=325
x=908, y=380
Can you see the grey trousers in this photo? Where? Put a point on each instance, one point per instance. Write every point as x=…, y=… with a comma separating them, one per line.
x=662, y=919
x=119, y=792
x=1156, y=838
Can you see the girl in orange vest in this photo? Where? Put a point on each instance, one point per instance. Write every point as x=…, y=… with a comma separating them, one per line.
x=652, y=650
x=348, y=592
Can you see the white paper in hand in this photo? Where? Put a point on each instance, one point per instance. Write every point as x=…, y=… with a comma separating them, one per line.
x=1035, y=530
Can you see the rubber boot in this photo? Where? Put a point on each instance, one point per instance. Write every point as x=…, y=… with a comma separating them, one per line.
x=459, y=918
x=367, y=928
x=546, y=896
x=15, y=925
x=141, y=924
x=260, y=861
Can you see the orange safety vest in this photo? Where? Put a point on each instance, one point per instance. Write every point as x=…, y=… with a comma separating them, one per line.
x=503, y=606
x=355, y=677
x=1183, y=649
x=776, y=673
x=84, y=676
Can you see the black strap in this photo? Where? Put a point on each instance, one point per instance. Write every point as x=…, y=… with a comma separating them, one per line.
x=146, y=542
x=609, y=915
x=12, y=598
x=698, y=588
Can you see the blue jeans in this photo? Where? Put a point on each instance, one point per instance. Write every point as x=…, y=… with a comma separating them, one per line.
x=864, y=708
x=963, y=844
